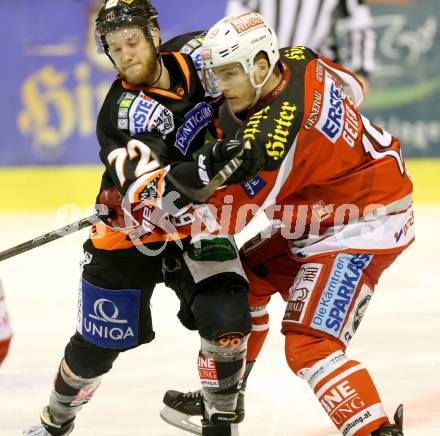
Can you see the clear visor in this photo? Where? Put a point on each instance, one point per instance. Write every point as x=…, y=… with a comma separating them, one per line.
x=210, y=81
x=127, y=36
x=120, y=25
x=226, y=78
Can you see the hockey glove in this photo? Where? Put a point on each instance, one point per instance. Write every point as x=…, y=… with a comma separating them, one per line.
x=212, y=158
x=252, y=159
x=112, y=198
x=118, y=218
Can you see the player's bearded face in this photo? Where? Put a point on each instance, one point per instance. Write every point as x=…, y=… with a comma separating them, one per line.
x=234, y=83
x=133, y=55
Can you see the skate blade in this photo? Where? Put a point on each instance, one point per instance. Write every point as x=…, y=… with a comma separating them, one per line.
x=180, y=420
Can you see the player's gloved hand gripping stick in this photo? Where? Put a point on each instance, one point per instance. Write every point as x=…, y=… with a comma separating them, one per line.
x=231, y=160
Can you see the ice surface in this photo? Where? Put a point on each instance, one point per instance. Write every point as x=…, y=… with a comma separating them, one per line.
x=397, y=341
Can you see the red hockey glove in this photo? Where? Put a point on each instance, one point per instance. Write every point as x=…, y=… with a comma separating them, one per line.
x=136, y=219
x=118, y=218
x=112, y=198
x=4, y=347
x=5, y=328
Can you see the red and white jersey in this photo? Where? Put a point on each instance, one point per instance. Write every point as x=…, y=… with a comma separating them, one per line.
x=5, y=327
x=335, y=181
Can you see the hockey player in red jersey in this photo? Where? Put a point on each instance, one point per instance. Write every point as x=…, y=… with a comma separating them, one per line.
x=336, y=187
x=5, y=327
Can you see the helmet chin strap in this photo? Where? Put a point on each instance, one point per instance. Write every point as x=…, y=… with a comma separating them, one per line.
x=258, y=87
x=159, y=60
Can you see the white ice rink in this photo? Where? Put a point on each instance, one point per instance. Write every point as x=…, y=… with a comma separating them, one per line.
x=398, y=341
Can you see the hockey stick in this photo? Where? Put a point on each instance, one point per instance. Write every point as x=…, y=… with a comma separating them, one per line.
x=51, y=236
x=202, y=194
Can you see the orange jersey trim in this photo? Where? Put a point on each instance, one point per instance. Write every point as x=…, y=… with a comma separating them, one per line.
x=184, y=66
x=163, y=92
x=105, y=238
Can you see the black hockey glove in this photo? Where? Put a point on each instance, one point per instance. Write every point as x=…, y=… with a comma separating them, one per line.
x=252, y=159
x=211, y=159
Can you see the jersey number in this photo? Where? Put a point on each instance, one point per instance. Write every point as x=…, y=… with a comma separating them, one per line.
x=384, y=140
x=134, y=149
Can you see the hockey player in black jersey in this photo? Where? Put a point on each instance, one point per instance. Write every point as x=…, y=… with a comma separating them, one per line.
x=156, y=108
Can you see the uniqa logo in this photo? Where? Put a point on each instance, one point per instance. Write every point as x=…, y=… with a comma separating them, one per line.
x=101, y=315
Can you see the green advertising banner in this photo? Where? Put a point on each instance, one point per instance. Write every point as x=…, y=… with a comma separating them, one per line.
x=404, y=95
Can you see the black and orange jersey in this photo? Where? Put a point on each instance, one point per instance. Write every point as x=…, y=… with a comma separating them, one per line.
x=138, y=127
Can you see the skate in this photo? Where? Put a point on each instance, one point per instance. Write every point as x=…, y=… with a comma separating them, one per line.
x=180, y=407
x=49, y=428
x=395, y=429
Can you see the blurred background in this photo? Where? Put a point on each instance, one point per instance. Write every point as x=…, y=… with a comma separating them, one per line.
x=53, y=83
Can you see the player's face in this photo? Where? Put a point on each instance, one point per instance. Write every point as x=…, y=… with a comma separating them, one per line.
x=133, y=55
x=234, y=83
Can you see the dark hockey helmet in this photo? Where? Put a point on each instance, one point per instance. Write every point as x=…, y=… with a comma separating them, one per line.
x=115, y=14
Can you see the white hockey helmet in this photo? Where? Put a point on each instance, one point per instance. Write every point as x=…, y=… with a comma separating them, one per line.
x=238, y=39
